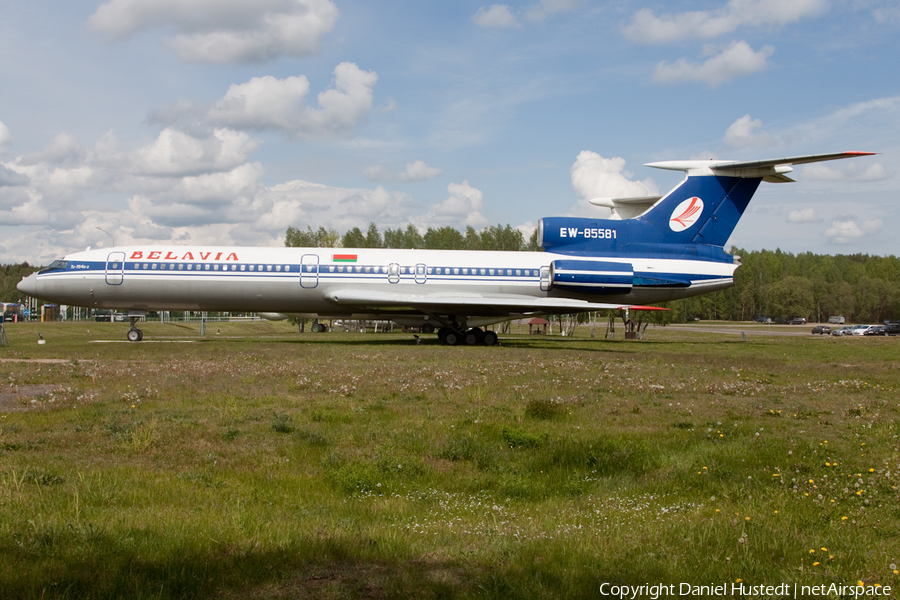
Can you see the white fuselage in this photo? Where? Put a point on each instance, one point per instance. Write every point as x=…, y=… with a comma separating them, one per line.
x=309, y=281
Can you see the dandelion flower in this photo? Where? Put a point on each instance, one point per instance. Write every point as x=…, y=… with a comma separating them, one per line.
x=815, y=563
x=824, y=549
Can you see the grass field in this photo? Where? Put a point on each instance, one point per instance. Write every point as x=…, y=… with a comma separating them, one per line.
x=256, y=462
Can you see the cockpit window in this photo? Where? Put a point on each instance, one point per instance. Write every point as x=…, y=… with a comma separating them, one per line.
x=56, y=265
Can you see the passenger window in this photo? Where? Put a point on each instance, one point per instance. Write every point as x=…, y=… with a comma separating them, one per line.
x=277, y=267
x=215, y=267
x=482, y=271
x=518, y=272
x=491, y=271
x=181, y=266
x=146, y=266
x=429, y=270
x=456, y=271
x=268, y=267
x=242, y=267
x=207, y=267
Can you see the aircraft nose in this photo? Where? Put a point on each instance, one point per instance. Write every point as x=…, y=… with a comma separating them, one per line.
x=29, y=285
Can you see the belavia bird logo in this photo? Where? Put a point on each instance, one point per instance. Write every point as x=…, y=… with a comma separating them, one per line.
x=686, y=214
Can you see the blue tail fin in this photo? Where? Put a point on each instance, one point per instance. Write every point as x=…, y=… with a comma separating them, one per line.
x=696, y=218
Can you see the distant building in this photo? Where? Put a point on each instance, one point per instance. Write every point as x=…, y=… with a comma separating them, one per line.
x=538, y=325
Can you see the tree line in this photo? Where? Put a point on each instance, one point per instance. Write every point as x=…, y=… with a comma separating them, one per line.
x=493, y=237
x=10, y=275
x=776, y=284
x=773, y=284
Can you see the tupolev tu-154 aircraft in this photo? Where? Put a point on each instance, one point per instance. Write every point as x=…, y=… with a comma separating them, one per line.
x=654, y=249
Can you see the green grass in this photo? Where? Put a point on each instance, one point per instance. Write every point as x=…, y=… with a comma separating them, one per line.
x=264, y=463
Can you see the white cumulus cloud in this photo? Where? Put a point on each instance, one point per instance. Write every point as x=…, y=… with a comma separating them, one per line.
x=224, y=31
x=495, y=16
x=268, y=103
x=648, y=28
x=596, y=177
x=849, y=231
x=175, y=153
x=415, y=171
x=743, y=134
x=463, y=204
x=738, y=58
x=5, y=138
x=806, y=215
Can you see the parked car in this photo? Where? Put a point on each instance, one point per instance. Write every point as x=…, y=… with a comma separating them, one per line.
x=798, y=321
x=692, y=318
x=892, y=328
x=876, y=330
x=821, y=329
x=859, y=329
x=761, y=319
x=840, y=331
x=838, y=320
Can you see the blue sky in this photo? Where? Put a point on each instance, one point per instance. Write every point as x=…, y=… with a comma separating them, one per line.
x=223, y=122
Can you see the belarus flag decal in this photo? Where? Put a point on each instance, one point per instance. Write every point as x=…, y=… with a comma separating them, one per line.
x=343, y=258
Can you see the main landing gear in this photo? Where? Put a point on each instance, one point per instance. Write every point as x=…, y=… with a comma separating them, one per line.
x=456, y=335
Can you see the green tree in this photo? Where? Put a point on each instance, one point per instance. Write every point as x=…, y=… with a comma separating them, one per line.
x=373, y=238
x=320, y=238
x=10, y=276
x=354, y=238
x=445, y=238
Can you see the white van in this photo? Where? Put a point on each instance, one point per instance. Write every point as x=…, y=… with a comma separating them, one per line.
x=836, y=320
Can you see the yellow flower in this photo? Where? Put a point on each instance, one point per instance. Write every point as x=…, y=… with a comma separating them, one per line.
x=738, y=580
x=812, y=551
x=860, y=583
x=815, y=563
x=824, y=549
x=843, y=518
x=871, y=470
x=746, y=518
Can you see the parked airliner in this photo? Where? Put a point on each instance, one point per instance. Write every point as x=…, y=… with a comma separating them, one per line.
x=654, y=249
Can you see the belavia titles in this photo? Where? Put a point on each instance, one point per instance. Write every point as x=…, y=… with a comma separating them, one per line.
x=653, y=249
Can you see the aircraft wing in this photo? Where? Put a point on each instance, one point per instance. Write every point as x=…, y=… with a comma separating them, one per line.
x=481, y=304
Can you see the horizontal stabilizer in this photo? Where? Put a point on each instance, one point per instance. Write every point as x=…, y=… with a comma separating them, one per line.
x=770, y=170
x=627, y=208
